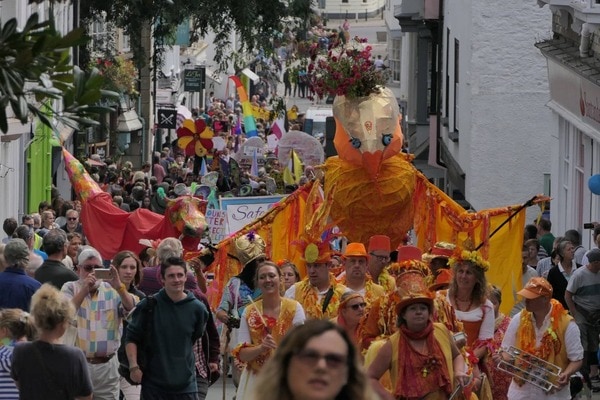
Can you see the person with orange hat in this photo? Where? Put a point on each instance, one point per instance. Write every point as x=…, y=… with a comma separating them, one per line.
x=546, y=330
x=380, y=321
x=421, y=356
x=379, y=252
x=356, y=279
x=319, y=293
x=437, y=258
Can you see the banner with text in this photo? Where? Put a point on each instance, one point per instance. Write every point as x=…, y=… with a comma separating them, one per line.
x=243, y=210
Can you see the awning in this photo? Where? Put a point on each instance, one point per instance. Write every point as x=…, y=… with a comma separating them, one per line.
x=129, y=122
x=253, y=77
x=95, y=163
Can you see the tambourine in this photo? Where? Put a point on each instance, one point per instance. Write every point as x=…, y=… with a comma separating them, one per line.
x=529, y=368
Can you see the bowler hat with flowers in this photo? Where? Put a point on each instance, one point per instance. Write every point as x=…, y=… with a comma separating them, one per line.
x=412, y=289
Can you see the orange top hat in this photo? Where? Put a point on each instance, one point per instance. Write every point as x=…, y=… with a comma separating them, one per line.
x=407, y=253
x=412, y=289
x=379, y=242
x=442, y=280
x=355, y=250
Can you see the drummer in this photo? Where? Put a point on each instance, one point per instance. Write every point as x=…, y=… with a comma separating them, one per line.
x=546, y=330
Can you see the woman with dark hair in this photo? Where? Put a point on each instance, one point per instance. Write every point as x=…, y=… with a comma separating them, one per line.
x=422, y=358
x=315, y=361
x=129, y=268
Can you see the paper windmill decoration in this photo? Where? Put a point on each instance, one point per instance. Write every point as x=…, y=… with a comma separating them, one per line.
x=195, y=137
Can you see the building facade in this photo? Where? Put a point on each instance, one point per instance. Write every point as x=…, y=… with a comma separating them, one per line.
x=572, y=53
x=476, y=92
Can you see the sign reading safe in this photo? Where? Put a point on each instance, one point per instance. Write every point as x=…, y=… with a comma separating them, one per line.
x=193, y=79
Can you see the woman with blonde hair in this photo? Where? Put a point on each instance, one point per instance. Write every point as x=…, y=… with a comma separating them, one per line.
x=315, y=361
x=46, y=369
x=16, y=326
x=289, y=273
x=263, y=325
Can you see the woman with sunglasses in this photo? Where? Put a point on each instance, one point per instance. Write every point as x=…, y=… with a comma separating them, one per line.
x=350, y=312
x=263, y=325
x=315, y=361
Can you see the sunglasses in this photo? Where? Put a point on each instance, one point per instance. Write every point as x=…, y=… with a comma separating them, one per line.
x=90, y=268
x=380, y=258
x=72, y=218
x=357, y=306
x=311, y=358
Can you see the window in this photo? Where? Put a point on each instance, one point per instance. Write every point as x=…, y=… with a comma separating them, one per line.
x=394, y=60
x=456, y=82
x=99, y=35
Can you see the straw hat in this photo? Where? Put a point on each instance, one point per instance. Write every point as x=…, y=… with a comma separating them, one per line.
x=439, y=250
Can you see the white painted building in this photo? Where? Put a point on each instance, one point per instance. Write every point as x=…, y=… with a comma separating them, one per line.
x=572, y=53
x=350, y=9
x=476, y=91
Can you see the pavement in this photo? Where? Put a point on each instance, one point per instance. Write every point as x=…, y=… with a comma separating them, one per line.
x=215, y=392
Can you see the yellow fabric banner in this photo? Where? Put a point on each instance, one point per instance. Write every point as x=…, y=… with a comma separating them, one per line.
x=439, y=218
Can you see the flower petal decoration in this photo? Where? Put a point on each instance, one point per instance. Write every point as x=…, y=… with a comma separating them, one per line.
x=195, y=137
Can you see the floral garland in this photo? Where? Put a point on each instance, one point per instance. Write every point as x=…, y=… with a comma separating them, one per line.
x=472, y=256
x=387, y=281
x=309, y=299
x=550, y=344
x=408, y=265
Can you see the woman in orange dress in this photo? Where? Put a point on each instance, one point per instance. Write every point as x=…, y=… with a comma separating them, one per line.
x=263, y=324
x=468, y=295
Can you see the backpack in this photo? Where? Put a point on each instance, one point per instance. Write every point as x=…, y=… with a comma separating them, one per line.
x=144, y=349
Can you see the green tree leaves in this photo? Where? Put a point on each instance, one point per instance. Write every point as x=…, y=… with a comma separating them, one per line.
x=35, y=67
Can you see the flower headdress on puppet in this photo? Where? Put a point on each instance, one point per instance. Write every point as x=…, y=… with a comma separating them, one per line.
x=473, y=256
x=195, y=137
x=409, y=259
x=346, y=71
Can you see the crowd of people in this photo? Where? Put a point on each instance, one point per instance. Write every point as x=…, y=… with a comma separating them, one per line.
x=371, y=322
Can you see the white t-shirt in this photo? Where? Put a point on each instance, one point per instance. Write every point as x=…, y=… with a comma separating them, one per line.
x=574, y=353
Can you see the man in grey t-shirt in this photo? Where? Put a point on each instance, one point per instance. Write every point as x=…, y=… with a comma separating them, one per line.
x=583, y=298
